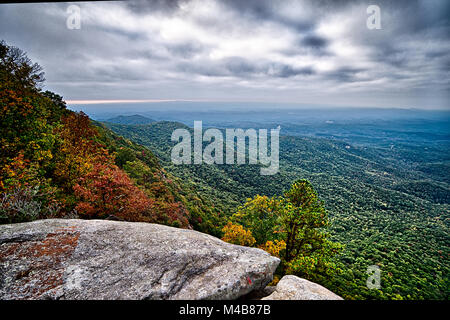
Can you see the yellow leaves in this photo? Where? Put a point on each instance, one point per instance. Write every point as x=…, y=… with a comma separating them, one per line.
x=43, y=155
x=257, y=204
x=16, y=172
x=86, y=166
x=236, y=234
x=275, y=281
x=274, y=247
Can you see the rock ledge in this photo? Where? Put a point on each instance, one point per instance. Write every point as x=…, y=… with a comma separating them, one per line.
x=98, y=259
x=294, y=288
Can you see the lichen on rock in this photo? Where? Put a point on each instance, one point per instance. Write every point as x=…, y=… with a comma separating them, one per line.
x=98, y=259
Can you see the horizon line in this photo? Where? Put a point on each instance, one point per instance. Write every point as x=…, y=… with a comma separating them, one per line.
x=298, y=104
x=103, y=101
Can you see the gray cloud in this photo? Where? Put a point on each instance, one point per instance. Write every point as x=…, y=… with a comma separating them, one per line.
x=185, y=50
x=286, y=71
x=152, y=6
x=300, y=51
x=315, y=42
x=264, y=10
x=346, y=74
x=237, y=67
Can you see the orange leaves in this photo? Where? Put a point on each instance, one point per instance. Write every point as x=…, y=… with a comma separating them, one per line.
x=102, y=189
x=274, y=247
x=78, y=151
x=108, y=191
x=260, y=216
x=17, y=172
x=236, y=234
x=12, y=102
x=78, y=128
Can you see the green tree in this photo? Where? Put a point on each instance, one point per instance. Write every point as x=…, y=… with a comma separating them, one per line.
x=309, y=251
x=299, y=221
x=124, y=155
x=261, y=217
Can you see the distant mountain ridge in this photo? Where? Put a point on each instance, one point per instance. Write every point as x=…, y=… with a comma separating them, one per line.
x=131, y=120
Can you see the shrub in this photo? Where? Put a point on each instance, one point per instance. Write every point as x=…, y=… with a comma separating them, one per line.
x=20, y=205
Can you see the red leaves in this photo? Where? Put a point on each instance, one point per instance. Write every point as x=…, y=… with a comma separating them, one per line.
x=102, y=188
x=106, y=191
x=174, y=213
x=78, y=127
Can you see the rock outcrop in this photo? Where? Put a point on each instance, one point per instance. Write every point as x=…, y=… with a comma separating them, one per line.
x=295, y=288
x=98, y=259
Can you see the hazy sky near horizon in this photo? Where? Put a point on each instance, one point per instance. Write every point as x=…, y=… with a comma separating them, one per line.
x=307, y=52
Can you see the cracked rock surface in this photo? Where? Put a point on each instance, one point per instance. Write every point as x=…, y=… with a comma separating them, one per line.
x=99, y=259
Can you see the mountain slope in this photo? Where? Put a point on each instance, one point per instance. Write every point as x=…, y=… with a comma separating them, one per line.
x=145, y=170
x=56, y=163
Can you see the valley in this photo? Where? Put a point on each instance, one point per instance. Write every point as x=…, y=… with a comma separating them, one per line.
x=389, y=207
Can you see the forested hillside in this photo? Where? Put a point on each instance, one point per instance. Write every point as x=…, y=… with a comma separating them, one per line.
x=374, y=209
x=57, y=163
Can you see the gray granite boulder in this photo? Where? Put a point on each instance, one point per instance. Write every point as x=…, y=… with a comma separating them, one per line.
x=295, y=288
x=98, y=259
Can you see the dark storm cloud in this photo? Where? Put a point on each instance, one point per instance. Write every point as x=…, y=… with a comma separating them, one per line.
x=268, y=10
x=238, y=67
x=432, y=54
x=152, y=6
x=315, y=42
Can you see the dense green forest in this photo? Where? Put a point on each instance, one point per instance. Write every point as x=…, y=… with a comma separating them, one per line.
x=385, y=212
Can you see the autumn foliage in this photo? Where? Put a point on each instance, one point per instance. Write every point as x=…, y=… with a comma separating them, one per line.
x=78, y=150
x=274, y=247
x=236, y=234
x=51, y=157
x=107, y=191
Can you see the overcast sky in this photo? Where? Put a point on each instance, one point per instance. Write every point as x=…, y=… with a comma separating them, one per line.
x=313, y=52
